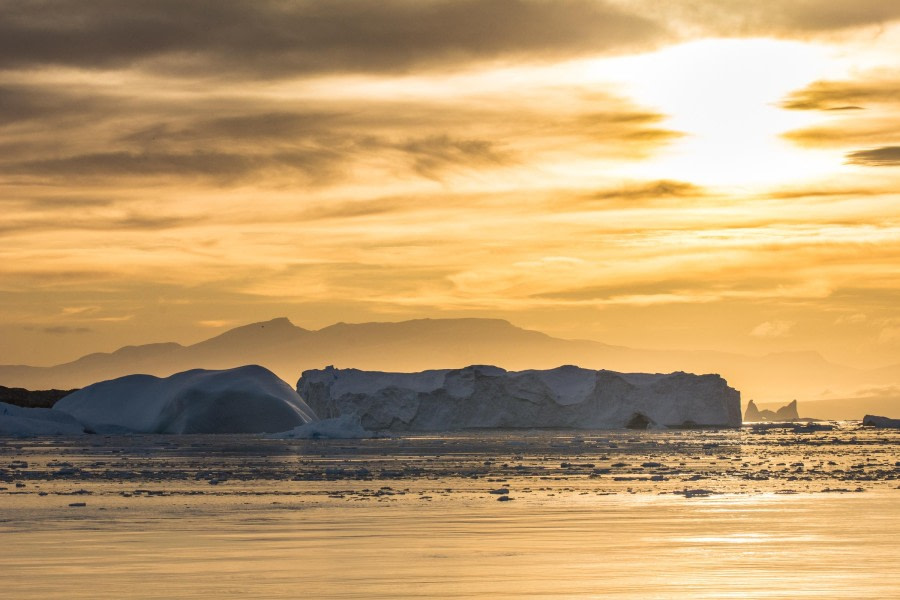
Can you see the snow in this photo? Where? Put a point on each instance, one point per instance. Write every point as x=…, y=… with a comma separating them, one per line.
x=249, y=399
x=28, y=422
x=484, y=396
x=345, y=427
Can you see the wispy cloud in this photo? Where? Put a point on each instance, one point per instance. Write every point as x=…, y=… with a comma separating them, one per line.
x=772, y=329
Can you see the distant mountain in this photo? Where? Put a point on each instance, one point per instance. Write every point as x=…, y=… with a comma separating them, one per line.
x=422, y=344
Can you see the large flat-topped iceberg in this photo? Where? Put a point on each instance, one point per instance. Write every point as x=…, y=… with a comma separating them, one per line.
x=491, y=397
x=247, y=399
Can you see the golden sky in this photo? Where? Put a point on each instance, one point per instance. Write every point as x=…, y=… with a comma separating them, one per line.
x=689, y=174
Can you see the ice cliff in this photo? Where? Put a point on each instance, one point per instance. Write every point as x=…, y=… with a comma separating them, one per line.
x=247, y=399
x=485, y=396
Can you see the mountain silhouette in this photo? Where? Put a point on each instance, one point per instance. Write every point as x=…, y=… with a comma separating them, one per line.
x=420, y=344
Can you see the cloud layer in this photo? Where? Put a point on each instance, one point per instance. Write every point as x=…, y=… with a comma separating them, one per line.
x=167, y=166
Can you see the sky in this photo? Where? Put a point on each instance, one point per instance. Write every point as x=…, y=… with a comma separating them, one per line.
x=650, y=173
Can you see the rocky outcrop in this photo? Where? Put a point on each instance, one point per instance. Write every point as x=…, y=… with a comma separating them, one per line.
x=490, y=397
x=32, y=398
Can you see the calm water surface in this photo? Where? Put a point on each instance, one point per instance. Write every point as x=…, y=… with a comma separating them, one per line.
x=183, y=520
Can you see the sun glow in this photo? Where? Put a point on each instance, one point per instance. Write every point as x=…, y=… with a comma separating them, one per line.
x=724, y=96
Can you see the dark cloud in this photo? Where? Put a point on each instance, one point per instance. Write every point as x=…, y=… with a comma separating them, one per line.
x=320, y=162
x=887, y=156
x=631, y=194
x=433, y=155
x=824, y=192
x=829, y=14
x=262, y=127
x=104, y=164
x=98, y=222
x=65, y=330
x=252, y=139
x=653, y=190
x=848, y=132
x=222, y=167
x=878, y=93
x=740, y=18
x=24, y=103
x=270, y=38
x=843, y=95
x=357, y=209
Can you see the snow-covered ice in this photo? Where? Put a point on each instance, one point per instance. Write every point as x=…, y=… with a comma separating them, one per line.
x=249, y=399
x=491, y=397
x=18, y=421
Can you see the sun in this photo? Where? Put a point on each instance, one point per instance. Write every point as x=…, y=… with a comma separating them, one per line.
x=724, y=96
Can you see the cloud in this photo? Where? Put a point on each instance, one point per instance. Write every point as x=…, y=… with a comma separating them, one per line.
x=315, y=165
x=887, y=156
x=652, y=190
x=66, y=330
x=432, y=155
x=21, y=103
x=844, y=95
x=215, y=324
x=869, y=107
x=848, y=132
x=889, y=335
x=852, y=319
x=268, y=38
x=772, y=329
x=98, y=222
x=739, y=18
x=255, y=139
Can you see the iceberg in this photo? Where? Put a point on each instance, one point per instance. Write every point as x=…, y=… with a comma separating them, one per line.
x=788, y=412
x=249, y=399
x=345, y=427
x=482, y=396
x=884, y=422
x=28, y=422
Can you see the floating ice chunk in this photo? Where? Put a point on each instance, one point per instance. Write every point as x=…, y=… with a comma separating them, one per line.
x=339, y=428
x=876, y=421
x=249, y=399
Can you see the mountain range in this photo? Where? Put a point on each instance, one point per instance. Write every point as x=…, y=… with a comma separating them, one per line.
x=824, y=389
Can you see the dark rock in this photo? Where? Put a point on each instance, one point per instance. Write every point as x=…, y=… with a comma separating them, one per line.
x=32, y=398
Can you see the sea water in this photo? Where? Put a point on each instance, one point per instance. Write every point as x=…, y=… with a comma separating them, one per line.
x=783, y=512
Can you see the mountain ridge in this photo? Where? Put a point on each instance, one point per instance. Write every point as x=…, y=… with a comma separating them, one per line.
x=420, y=344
